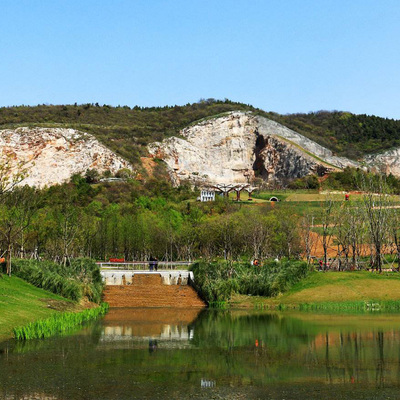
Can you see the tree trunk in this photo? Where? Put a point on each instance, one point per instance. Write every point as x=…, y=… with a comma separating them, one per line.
x=9, y=259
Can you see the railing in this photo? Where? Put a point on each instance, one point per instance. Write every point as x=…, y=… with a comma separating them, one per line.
x=142, y=265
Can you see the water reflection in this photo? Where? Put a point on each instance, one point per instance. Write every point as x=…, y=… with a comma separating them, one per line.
x=134, y=327
x=166, y=353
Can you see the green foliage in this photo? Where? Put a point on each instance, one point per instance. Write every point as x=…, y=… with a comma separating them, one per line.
x=92, y=176
x=344, y=133
x=351, y=306
x=217, y=281
x=80, y=278
x=214, y=281
x=22, y=302
x=58, y=324
x=307, y=182
x=353, y=178
x=133, y=221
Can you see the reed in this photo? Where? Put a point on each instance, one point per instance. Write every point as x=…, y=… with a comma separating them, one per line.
x=80, y=278
x=216, y=281
x=343, y=306
x=218, y=304
x=58, y=324
x=367, y=306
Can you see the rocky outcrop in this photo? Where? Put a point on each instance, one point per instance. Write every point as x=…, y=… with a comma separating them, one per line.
x=279, y=161
x=52, y=155
x=238, y=147
x=267, y=127
x=218, y=151
x=387, y=162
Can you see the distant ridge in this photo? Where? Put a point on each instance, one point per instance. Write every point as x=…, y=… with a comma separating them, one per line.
x=127, y=131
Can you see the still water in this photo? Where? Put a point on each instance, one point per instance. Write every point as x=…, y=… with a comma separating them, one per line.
x=181, y=354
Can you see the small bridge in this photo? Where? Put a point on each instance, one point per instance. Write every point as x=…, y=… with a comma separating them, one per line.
x=143, y=266
x=126, y=277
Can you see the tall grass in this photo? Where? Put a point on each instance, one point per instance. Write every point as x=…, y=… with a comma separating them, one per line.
x=370, y=305
x=58, y=324
x=217, y=281
x=344, y=306
x=218, y=304
x=80, y=278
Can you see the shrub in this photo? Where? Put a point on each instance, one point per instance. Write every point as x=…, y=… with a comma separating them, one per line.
x=307, y=182
x=217, y=281
x=81, y=278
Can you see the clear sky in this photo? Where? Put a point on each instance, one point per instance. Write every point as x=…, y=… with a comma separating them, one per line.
x=280, y=55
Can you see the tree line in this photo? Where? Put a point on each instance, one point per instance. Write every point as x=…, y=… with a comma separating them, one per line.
x=138, y=220
x=116, y=220
x=364, y=231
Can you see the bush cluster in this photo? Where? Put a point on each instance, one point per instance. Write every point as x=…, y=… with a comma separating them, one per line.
x=217, y=281
x=79, y=279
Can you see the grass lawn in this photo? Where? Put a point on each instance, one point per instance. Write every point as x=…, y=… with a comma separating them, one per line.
x=21, y=303
x=332, y=287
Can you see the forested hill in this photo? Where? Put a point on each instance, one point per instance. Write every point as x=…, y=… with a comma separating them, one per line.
x=127, y=130
x=123, y=129
x=346, y=134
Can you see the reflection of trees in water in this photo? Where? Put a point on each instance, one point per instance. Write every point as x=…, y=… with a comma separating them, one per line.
x=227, y=329
x=380, y=366
x=327, y=363
x=346, y=357
x=228, y=347
x=361, y=358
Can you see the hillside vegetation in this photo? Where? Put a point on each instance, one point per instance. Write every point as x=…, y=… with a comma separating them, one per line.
x=124, y=130
x=344, y=133
x=128, y=130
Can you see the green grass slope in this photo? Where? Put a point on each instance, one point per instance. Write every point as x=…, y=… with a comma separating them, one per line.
x=331, y=289
x=21, y=303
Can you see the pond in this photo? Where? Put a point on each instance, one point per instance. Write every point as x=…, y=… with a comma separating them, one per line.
x=182, y=354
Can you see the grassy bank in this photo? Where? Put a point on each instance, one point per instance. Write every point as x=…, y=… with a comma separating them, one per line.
x=58, y=324
x=81, y=278
x=334, y=291
x=21, y=303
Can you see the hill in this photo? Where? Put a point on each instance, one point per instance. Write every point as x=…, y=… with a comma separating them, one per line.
x=240, y=147
x=124, y=130
x=346, y=134
x=127, y=130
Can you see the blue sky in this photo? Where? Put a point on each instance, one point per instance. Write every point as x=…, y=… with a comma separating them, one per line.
x=280, y=55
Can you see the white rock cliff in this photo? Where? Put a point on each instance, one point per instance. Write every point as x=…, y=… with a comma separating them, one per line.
x=238, y=147
x=52, y=155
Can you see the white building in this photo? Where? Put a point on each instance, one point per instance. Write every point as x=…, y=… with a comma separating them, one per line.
x=207, y=195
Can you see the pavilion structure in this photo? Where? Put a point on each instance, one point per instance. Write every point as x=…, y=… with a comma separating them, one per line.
x=250, y=189
x=226, y=188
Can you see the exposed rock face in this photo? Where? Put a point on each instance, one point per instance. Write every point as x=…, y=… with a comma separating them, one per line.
x=279, y=161
x=387, y=162
x=267, y=127
x=53, y=155
x=240, y=146
x=216, y=150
